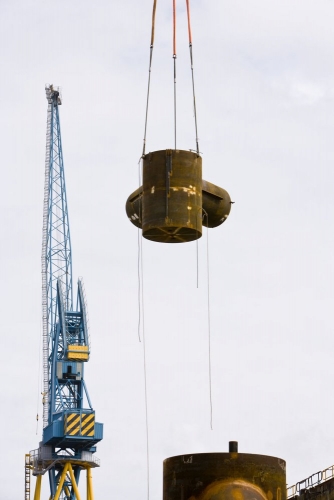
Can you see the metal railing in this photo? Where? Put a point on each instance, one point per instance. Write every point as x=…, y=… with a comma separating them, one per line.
x=42, y=459
x=310, y=482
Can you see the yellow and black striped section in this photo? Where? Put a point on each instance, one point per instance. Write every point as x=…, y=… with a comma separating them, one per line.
x=77, y=353
x=72, y=424
x=87, y=424
x=76, y=424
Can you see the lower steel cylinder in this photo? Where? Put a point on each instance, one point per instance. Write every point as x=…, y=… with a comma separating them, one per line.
x=172, y=196
x=224, y=476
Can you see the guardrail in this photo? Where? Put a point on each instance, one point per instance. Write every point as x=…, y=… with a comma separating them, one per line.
x=310, y=482
x=39, y=459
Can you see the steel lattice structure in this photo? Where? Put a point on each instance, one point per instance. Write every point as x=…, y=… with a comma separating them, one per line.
x=70, y=431
x=56, y=245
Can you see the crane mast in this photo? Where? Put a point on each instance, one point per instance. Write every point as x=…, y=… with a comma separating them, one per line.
x=70, y=432
x=56, y=245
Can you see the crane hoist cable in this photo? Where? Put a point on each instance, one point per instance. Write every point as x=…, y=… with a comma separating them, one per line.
x=174, y=62
x=192, y=72
x=174, y=71
x=149, y=72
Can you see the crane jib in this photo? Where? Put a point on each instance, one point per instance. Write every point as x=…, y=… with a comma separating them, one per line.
x=70, y=430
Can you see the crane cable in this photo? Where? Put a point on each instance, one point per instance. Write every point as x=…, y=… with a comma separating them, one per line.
x=149, y=73
x=192, y=72
x=209, y=317
x=141, y=326
x=174, y=67
x=174, y=60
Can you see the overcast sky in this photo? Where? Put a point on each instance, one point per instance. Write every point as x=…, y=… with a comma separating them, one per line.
x=264, y=76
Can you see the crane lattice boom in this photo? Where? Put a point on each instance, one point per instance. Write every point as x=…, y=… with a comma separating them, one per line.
x=70, y=432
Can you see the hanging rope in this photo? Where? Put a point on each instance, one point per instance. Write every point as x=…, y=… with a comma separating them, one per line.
x=174, y=59
x=189, y=25
x=209, y=316
x=145, y=382
x=192, y=73
x=139, y=263
x=139, y=286
x=141, y=326
x=206, y=215
x=149, y=73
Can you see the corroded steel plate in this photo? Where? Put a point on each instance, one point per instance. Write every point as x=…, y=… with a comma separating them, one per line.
x=224, y=476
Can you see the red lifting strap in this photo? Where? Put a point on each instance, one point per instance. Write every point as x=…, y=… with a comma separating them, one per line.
x=174, y=28
x=189, y=25
x=153, y=21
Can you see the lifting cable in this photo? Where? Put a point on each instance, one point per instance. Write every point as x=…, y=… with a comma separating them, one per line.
x=141, y=325
x=192, y=72
x=146, y=416
x=149, y=73
x=174, y=72
x=140, y=260
x=174, y=59
x=209, y=316
x=145, y=378
x=206, y=216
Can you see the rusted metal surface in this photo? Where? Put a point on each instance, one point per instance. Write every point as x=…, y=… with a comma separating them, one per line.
x=320, y=477
x=174, y=201
x=133, y=207
x=216, y=204
x=321, y=491
x=172, y=196
x=224, y=476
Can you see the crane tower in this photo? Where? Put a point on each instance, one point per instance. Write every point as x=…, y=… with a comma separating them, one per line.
x=70, y=432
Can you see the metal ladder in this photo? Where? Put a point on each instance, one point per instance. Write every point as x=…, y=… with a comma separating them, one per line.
x=27, y=473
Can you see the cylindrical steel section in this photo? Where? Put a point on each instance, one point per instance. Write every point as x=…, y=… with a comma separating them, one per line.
x=133, y=207
x=233, y=446
x=216, y=204
x=172, y=196
x=224, y=476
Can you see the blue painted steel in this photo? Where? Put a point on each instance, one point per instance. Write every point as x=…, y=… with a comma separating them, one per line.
x=65, y=391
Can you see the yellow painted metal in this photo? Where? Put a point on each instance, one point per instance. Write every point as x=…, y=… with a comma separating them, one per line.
x=74, y=483
x=61, y=482
x=67, y=474
x=77, y=353
x=90, y=493
x=72, y=424
x=87, y=424
x=79, y=425
x=38, y=488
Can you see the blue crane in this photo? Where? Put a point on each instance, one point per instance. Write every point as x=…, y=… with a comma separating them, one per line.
x=70, y=431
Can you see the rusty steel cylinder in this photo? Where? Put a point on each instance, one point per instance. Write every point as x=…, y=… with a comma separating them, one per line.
x=224, y=476
x=172, y=196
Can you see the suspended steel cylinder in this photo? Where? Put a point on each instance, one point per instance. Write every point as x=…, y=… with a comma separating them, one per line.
x=224, y=476
x=216, y=204
x=172, y=196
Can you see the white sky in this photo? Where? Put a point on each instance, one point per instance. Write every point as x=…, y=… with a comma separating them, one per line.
x=264, y=75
